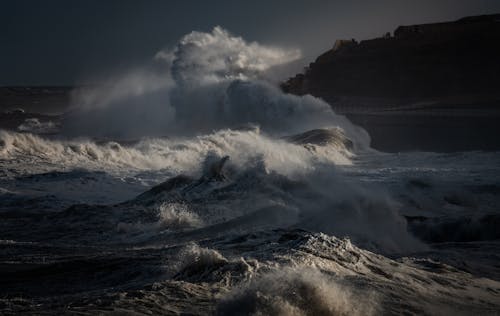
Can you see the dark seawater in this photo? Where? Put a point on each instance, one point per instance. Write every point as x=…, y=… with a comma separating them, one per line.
x=283, y=228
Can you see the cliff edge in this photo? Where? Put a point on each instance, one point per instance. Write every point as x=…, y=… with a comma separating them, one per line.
x=418, y=61
x=430, y=87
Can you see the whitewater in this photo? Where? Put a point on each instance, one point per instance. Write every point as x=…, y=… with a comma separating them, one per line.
x=195, y=186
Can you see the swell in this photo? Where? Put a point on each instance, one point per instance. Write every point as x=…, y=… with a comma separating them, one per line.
x=228, y=198
x=463, y=229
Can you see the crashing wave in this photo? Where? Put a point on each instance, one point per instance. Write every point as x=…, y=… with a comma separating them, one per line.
x=211, y=81
x=176, y=155
x=321, y=140
x=295, y=292
x=280, y=271
x=256, y=198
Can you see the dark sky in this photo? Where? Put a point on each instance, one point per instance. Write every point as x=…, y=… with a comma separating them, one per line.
x=60, y=42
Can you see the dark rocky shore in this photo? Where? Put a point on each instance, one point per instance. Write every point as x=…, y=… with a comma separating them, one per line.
x=428, y=87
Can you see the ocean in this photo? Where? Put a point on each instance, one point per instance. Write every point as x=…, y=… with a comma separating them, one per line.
x=200, y=188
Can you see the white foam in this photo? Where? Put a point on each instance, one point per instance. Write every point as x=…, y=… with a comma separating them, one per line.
x=176, y=155
x=295, y=291
x=177, y=216
x=195, y=258
x=210, y=81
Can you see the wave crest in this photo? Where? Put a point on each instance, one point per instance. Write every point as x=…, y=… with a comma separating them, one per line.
x=295, y=291
x=175, y=155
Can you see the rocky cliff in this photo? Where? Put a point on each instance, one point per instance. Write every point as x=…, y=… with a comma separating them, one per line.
x=430, y=87
x=416, y=62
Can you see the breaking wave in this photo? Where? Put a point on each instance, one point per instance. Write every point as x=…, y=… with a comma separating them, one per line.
x=177, y=155
x=295, y=292
x=178, y=216
x=208, y=81
x=193, y=260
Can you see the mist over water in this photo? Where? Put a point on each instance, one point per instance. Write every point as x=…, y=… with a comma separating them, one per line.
x=204, y=188
x=207, y=82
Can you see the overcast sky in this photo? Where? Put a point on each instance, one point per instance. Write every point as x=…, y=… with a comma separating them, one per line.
x=65, y=42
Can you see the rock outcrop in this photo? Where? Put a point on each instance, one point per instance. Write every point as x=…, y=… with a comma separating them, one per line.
x=430, y=87
x=419, y=61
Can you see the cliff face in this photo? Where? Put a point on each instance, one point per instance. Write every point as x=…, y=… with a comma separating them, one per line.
x=432, y=87
x=419, y=61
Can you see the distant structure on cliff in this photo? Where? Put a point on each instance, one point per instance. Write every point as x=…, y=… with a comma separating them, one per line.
x=419, y=61
x=450, y=29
